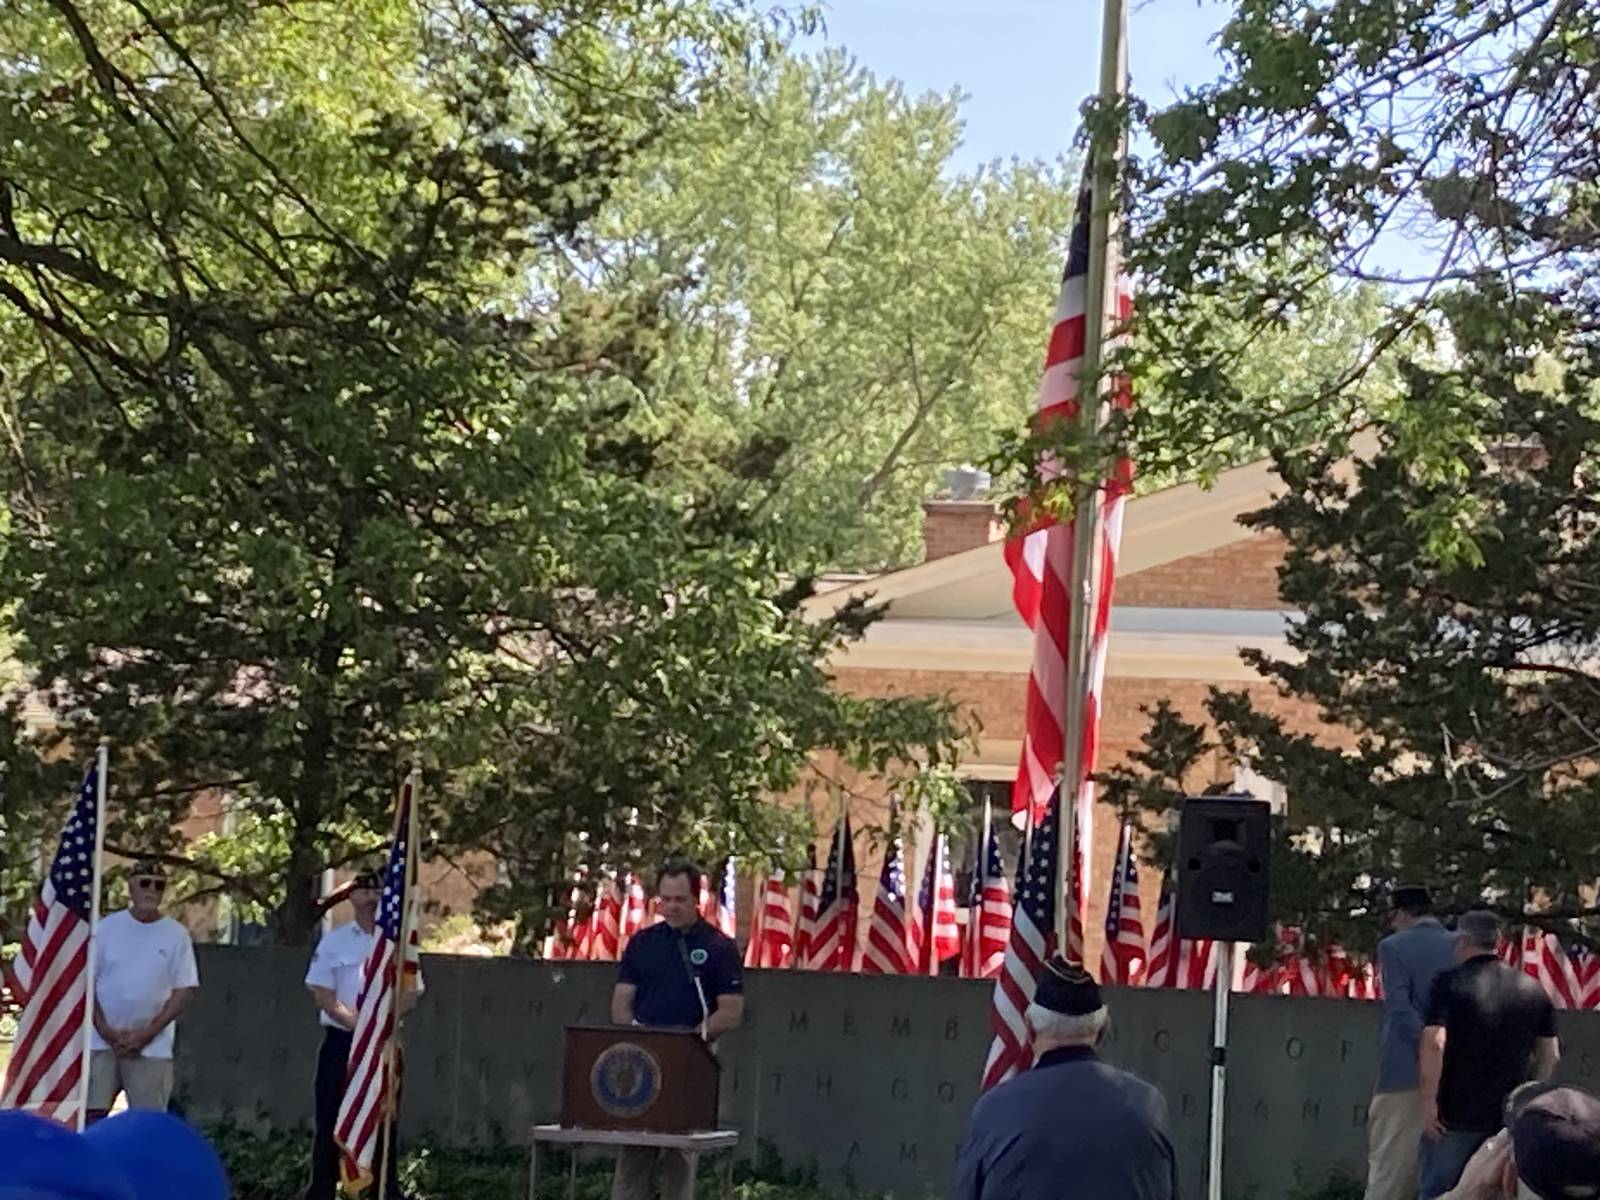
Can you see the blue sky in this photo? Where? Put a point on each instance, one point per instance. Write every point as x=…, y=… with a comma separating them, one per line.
x=1026, y=65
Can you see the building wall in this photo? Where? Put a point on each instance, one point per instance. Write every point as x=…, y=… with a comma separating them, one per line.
x=1242, y=575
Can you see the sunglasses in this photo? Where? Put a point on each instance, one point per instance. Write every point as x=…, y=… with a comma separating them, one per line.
x=158, y=885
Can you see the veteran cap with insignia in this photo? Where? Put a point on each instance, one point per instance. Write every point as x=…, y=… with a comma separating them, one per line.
x=1065, y=987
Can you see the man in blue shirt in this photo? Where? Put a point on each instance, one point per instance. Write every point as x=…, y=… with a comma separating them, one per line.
x=681, y=973
x=1408, y=959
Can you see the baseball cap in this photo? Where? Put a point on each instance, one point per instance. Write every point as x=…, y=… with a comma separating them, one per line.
x=366, y=879
x=154, y=868
x=1555, y=1139
x=47, y=1161
x=161, y=1156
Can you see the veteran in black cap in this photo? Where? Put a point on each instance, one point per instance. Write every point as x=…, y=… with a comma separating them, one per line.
x=1073, y=1125
x=334, y=980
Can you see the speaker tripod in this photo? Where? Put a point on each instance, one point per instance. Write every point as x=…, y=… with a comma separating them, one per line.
x=1219, y=1067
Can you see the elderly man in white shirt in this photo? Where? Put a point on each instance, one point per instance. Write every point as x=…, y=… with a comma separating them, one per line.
x=335, y=982
x=144, y=976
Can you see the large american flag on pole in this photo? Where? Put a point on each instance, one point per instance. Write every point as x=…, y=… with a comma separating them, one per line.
x=606, y=939
x=45, y=1072
x=888, y=948
x=935, y=932
x=371, y=1076
x=988, y=913
x=833, y=944
x=771, y=925
x=1123, y=956
x=806, y=926
x=1040, y=557
x=1033, y=941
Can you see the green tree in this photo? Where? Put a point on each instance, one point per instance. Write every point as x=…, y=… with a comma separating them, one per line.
x=314, y=464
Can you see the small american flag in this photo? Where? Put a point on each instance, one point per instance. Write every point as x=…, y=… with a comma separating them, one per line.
x=635, y=911
x=1163, y=969
x=806, y=928
x=606, y=939
x=45, y=1073
x=371, y=1074
x=833, y=946
x=724, y=915
x=988, y=913
x=935, y=933
x=1122, y=958
x=888, y=948
x=1553, y=969
x=1033, y=941
x=1586, y=970
x=772, y=925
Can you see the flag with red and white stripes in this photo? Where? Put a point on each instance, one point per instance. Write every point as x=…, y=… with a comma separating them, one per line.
x=771, y=925
x=988, y=914
x=888, y=948
x=1033, y=941
x=935, y=932
x=1040, y=557
x=51, y=974
x=1547, y=961
x=833, y=945
x=726, y=914
x=1163, y=968
x=1586, y=970
x=635, y=911
x=806, y=926
x=1124, y=954
x=605, y=939
x=390, y=972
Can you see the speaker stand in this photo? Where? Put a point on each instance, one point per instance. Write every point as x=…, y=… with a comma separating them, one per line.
x=1219, y=1067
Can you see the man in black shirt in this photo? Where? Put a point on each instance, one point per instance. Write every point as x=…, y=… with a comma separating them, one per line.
x=1488, y=1028
x=681, y=973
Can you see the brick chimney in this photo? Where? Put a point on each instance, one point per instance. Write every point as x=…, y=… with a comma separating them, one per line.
x=960, y=516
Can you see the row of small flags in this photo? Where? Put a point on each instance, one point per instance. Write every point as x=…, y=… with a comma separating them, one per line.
x=52, y=980
x=818, y=930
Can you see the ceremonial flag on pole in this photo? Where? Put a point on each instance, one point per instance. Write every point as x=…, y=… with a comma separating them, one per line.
x=1033, y=941
x=833, y=945
x=935, y=933
x=806, y=927
x=635, y=910
x=888, y=949
x=1554, y=970
x=1041, y=557
x=1163, y=969
x=1123, y=956
x=988, y=912
x=724, y=915
x=366, y=1110
x=772, y=931
x=605, y=944
x=1586, y=970
x=48, y=1072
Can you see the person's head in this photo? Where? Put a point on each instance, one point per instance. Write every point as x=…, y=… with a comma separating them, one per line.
x=678, y=892
x=147, y=885
x=365, y=892
x=1066, y=1008
x=1477, y=934
x=1555, y=1144
x=1409, y=904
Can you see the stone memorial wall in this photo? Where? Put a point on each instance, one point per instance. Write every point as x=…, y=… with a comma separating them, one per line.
x=869, y=1077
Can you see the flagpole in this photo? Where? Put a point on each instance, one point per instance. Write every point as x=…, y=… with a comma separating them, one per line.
x=391, y=1050
x=975, y=912
x=101, y=762
x=1098, y=304
x=846, y=948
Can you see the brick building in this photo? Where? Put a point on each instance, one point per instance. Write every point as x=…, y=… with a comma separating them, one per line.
x=1194, y=587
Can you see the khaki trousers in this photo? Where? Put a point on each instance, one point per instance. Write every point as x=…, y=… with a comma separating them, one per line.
x=1394, y=1133
x=147, y=1081
x=639, y=1167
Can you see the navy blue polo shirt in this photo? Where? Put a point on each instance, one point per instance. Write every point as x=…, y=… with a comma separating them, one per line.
x=663, y=964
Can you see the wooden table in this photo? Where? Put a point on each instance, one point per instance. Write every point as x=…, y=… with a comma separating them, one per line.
x=695, y=1143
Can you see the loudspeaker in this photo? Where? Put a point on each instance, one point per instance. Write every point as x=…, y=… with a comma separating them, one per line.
x=1222, y=869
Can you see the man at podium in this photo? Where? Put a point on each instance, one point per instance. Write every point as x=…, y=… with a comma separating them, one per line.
x=681, y=973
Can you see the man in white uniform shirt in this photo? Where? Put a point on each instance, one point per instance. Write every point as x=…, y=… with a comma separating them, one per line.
x=335, y=982
x=144, y=976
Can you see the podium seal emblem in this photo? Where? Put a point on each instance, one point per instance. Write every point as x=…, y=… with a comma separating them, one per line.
x=625, y=1080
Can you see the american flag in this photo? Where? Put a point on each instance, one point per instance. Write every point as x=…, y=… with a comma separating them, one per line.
x=1041, y=557
x=1122, y=957
x=389, y=973
x=1586, y=970
x=723, y=913
x=45, y=1073
x=1163, y=969
x=605, y=943
x=888, y=948
x=806, y=928
x=833, y=945
x=988, y=913
x=935, y=932
x=771, y=925
x=635, y=912
x=1033, y=941
x=1553, y=968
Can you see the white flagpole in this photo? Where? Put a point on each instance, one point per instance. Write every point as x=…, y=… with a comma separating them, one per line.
x=975, y=911
x=102, y=759
x=848, y=949
x=1099, y=295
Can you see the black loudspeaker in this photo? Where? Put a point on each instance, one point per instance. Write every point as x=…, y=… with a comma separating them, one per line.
x=1222, y=869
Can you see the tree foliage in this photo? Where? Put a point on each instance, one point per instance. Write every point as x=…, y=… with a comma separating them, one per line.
x=315, y=463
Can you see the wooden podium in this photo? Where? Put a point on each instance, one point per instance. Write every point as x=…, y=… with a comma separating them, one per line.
x=637, y=1079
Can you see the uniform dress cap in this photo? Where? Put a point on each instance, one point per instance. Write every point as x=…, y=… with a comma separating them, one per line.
x=41, y=1160
x=162, y=1157
x=1555, y=1138
x=1066, y=988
